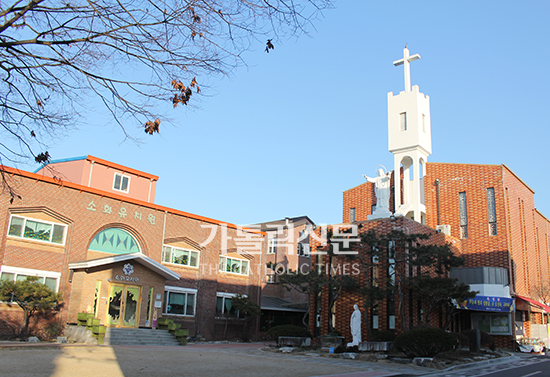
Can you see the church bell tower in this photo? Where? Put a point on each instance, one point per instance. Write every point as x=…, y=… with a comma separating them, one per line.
x=410, y=142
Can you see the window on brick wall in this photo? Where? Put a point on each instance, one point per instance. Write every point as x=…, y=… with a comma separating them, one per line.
x=234, y=266
x=302, y=247
x=374, y=314
x=38, y=230
x=272, y=245
x=491, y=211
x=391, y=285
x=351, y=215
x=180, y=256
x=50, y=278
x=179, y=301
x=463, y=214
x=224, y=305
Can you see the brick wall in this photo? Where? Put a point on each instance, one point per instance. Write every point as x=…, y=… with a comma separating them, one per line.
x=522, y=240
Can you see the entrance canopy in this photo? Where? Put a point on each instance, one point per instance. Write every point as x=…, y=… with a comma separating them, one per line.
x=136, y=257
x=275, y=303
x=534, y=306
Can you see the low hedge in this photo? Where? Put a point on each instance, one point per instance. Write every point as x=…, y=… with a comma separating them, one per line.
x=384, y=336
x=425, y=342
x=287, y=330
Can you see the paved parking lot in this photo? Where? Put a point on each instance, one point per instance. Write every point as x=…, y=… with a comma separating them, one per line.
x=195, y=360
x=206, y=360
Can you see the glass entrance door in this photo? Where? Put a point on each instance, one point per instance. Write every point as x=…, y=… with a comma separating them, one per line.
x=123, y=308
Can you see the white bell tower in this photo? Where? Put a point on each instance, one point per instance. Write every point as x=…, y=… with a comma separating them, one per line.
x=410, y=141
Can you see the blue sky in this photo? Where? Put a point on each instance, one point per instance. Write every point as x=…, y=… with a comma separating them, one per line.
x=287, y=134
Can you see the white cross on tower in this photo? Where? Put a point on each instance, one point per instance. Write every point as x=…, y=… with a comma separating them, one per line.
x=407, y=62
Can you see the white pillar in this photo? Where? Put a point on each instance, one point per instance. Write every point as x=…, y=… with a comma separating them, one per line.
x=397, y=181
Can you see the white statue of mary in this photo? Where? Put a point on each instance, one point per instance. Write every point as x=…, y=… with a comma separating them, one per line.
x=355, y=325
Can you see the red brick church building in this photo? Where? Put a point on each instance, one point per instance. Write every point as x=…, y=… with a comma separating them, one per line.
x=487, y=210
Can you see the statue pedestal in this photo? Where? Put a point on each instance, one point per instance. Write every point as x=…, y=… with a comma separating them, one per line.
x=379, y=214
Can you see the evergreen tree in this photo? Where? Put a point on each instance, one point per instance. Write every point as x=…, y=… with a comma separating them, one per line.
x=32, y=297
x=412, y=264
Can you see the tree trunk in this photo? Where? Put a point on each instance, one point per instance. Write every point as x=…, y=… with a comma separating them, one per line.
x=25, y=327
x=404, y=324
x=306, y=315
x=330, y=294
x=225, y=328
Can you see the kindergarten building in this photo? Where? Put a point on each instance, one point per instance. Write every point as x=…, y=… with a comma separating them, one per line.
x=487, y=210
x=90, y=229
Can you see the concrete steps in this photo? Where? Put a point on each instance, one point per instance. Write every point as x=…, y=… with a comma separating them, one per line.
x=135, y=337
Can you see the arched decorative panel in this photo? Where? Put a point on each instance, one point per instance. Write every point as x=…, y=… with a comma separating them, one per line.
x=114, y=241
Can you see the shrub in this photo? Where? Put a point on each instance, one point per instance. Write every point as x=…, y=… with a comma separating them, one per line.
x=462, y=339
x=384, y=336
x=425, y=342
x=52, y=330
x=286, y=330
x=342, y=349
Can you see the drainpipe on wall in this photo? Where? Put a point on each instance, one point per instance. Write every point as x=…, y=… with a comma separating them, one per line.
x=437, y=183
x=150, y=186
x=90, y=177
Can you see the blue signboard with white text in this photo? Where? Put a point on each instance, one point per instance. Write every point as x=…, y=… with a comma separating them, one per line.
x=488, y=304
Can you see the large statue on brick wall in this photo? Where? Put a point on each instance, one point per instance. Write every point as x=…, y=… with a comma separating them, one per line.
x=382, y=192
x=355, y=326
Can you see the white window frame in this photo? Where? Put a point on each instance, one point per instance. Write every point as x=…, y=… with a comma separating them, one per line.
x=225, y=295
x=235, y=259
x=272, y=245
x=122, y=176
x=169, y=289
x=303, y=250
x=183, y=249
x=31, y=272
x=270, y=278
x=22, y=236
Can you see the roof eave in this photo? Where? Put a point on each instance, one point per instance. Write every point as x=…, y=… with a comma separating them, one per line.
x=138, y=257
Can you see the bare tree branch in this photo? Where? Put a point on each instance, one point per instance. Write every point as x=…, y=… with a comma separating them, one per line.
x=56, y=55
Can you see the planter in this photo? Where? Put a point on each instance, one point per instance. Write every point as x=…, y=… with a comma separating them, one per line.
x=172, y=327
x=181, y=333
x=82, y=318
x=331, y=341
x=162, y=323
x=91, y=322
x=375, y=346
x=99, y=329
x=294, y=341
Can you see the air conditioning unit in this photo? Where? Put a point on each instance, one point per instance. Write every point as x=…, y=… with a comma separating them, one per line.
x=443, y=229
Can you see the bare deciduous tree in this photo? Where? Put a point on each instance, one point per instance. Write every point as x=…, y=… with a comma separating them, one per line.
x=58, y=55
x=541, y=290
